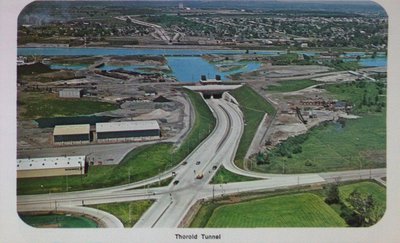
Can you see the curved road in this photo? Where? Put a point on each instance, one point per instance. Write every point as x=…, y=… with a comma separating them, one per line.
x=173, y=202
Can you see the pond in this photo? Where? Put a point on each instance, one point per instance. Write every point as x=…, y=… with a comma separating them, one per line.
x=58, y=221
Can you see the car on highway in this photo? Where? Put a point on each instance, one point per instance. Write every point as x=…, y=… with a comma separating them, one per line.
x=175, y=182
x=214, y=167
x=184, y=162
x=199, y=176
x=198, y=162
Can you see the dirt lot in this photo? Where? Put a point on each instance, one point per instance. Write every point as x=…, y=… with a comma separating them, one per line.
x=134, y=102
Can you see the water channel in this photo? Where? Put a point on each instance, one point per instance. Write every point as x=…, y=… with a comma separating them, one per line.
x=185, y=64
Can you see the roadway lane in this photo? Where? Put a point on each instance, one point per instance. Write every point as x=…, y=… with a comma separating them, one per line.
x=174, y=206
x=173, y=201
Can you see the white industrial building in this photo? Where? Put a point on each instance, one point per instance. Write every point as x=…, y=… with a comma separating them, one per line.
x=127, y=131
x=71, y=134
x=52, y=166
x=70, y=93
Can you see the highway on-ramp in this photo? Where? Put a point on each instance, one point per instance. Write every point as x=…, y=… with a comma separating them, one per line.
x=191, y=182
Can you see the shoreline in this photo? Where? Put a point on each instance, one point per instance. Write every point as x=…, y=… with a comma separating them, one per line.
x=197, y=47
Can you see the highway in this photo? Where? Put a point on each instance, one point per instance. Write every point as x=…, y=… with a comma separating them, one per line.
x=157, y=28
x=173, y=202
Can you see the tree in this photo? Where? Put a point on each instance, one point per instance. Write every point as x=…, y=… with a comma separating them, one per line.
x=332, y=194
x=366, y=211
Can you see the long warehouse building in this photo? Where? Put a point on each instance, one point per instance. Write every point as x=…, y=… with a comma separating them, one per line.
x=127, y=131
x=51, y=166
x=71, y=134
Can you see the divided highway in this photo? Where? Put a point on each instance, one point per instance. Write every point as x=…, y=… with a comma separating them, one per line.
x=191, y=182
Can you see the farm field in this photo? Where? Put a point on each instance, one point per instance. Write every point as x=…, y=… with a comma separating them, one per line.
x=128, y=212
x=285, y=209
x=297, y=210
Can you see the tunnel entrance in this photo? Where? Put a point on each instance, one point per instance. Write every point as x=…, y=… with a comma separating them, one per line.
x=209, y=95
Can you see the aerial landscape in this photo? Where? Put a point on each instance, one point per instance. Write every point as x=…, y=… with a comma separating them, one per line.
x=201, y=114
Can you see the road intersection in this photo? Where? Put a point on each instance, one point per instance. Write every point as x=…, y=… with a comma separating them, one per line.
x=173, y=202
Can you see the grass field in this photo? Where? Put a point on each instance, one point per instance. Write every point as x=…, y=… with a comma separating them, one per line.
x=332, y=147
x=365, y=97
x=344, y=66
x=291, y=85
x=283, y=208
x=366, y=187
x=141, y=163
x=225, y=176
x=58, y=221
x=33, y=105
x=297, y=210
x=343, y=145
x=254, y=108
x=128, y=212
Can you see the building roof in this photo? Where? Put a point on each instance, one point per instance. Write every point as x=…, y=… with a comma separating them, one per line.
x=50, y=163
x=71, y=90
x=71, y=129
x=127, y=126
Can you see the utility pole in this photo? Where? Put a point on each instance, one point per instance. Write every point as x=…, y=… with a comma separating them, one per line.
x=159, y=178
x=130, y=220
x=213, y=190
x=298, y=183
x=370, y=172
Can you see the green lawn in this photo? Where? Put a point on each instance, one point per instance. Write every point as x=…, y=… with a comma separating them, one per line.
x=297, y=210
x=291, y=85
x=58, y=221
x=128, y=212
x=254, y=108
x=225, y=176
x=141, y=163
x=33, y=105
